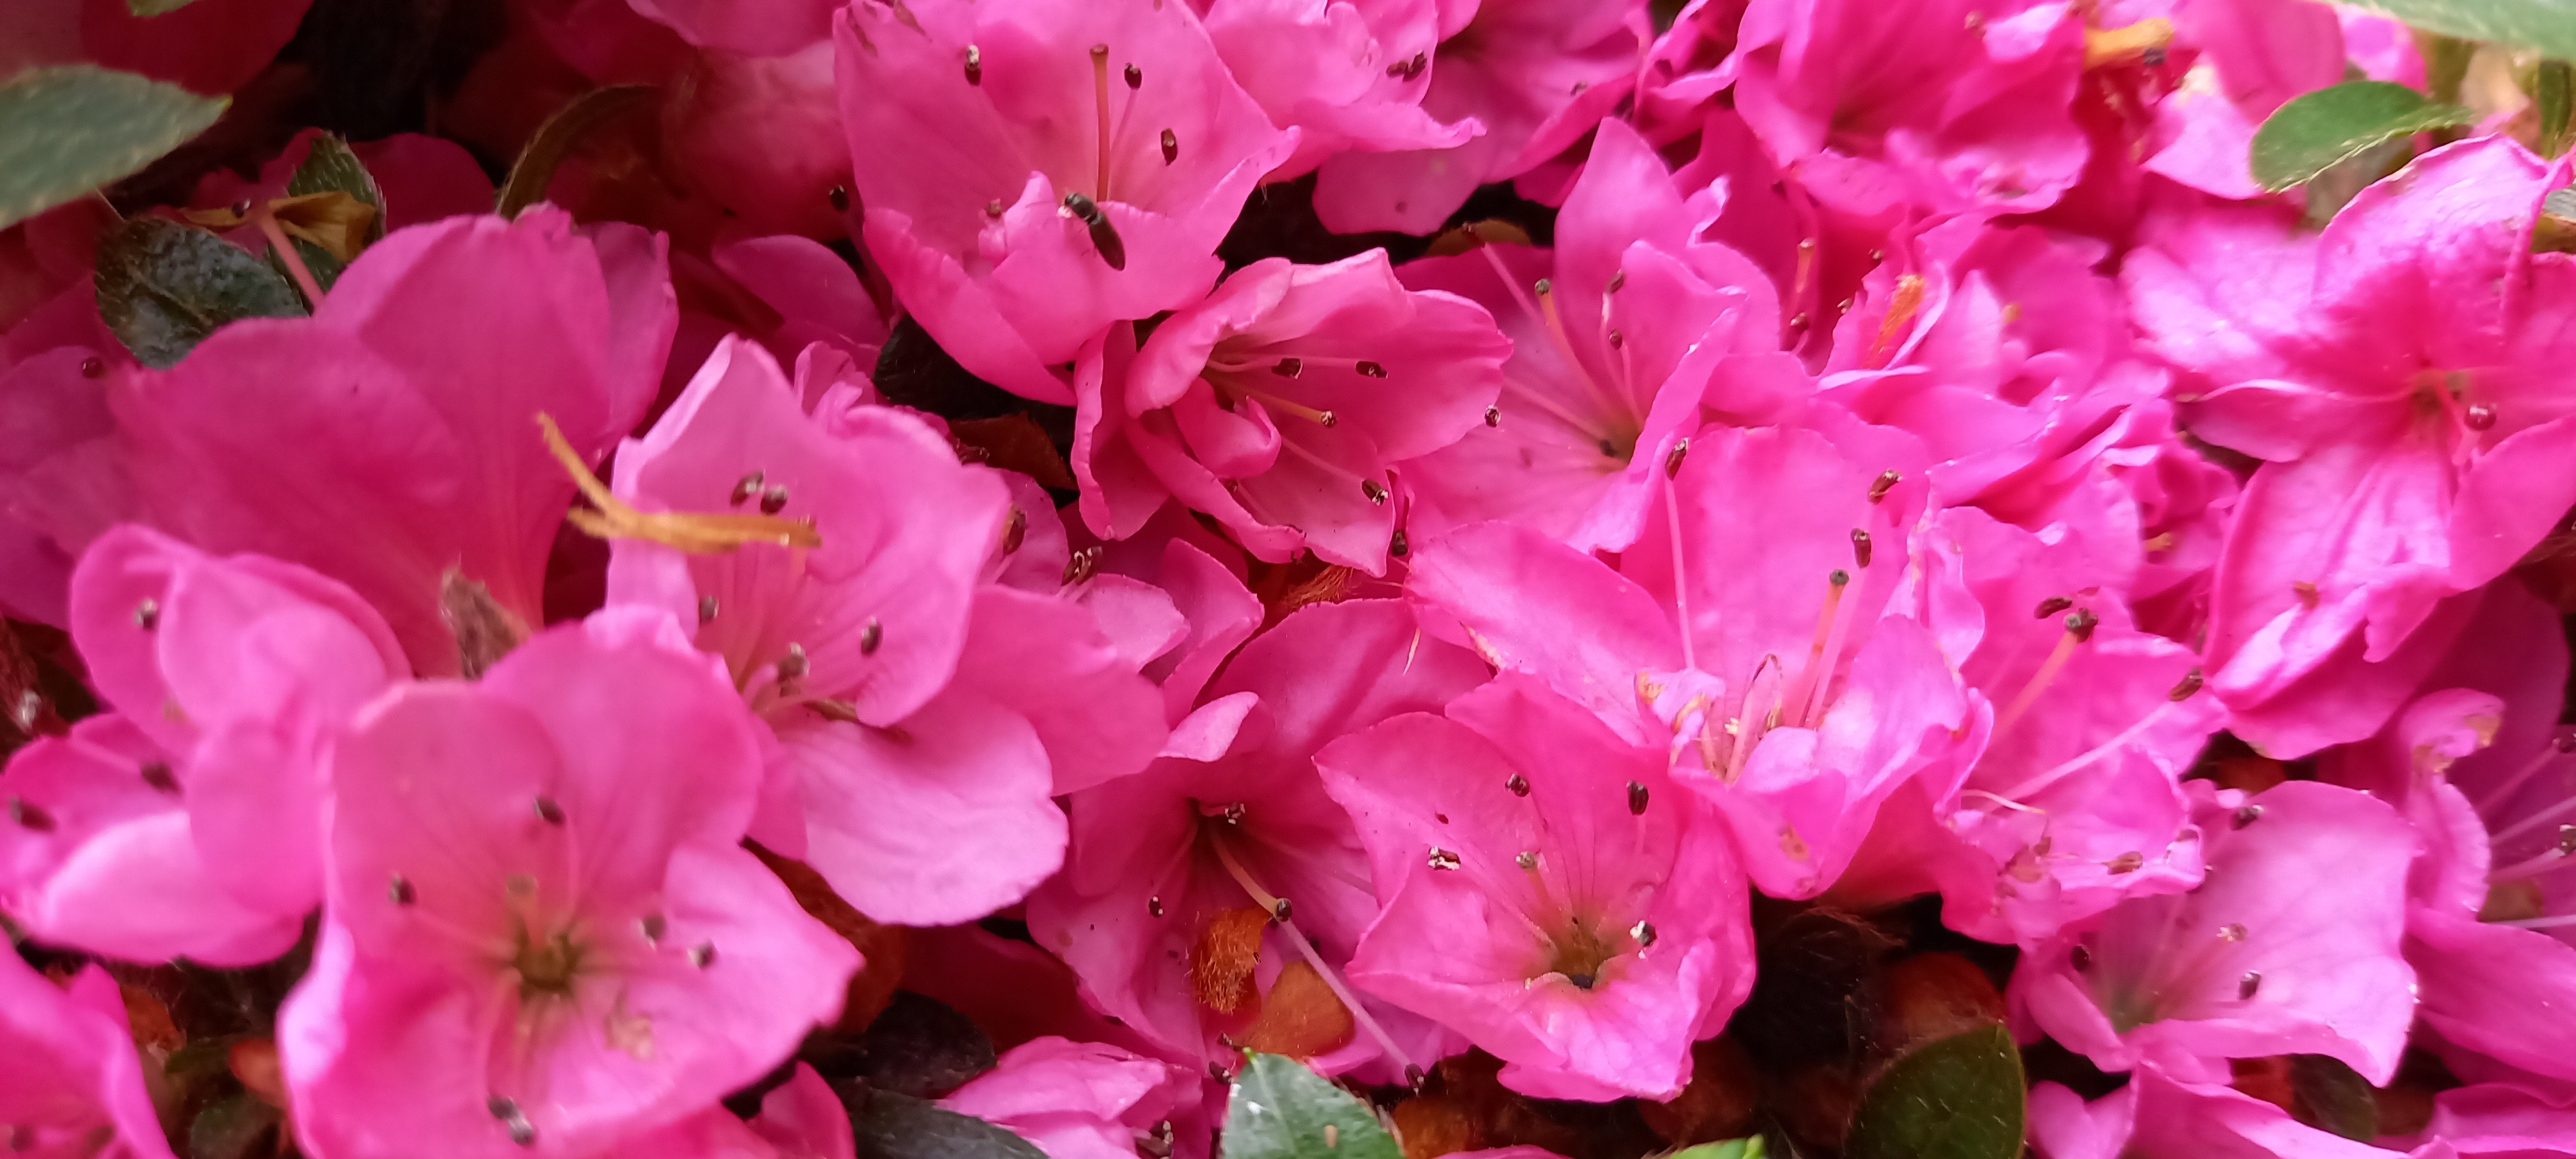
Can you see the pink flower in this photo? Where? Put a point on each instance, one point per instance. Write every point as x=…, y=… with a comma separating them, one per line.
x=391, y=437
x=1769, y=659
x=1279, y=403
x=2392, y=373
x=2289, y=945
x=1076, y=1100
x=70, y=1083
x=543, y=934
x=1348, y=74
x=189, y=822
x=1514, y=67
x=2255, y=56
x=761, y=135
x=923, y=719
x=1949, y=105
x=1620, y=339
x=2162, y=1116
x=1036, y=170
x=1167, y=903
x=1546, y=891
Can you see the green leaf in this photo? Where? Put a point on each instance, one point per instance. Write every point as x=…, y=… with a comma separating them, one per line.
x=163, y=287
x=1959, y=1097
x=2334, y=1097
x=2548, y=25
x=892, y=1126
x=1749, y=1147
x=230, y=1128
x=68, y=129
x=1281, y=1110
x=2553, y=92
x=2310, y=135
x=156, y=7
x=329, y=167
x=554, y=141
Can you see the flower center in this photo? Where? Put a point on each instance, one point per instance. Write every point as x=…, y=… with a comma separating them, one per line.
x=547, y=965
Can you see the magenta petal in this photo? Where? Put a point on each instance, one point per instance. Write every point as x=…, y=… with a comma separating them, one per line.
x=70, y=1079
x=2500, y=991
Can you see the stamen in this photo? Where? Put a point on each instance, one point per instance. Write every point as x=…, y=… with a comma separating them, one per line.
x=2480, y=416
x=157, y=775
x=1517, y=784
x=1442, y=859
x=1794, y=701
x=1135, y=77
x=1673, y=458
x=2247, y=985
x=1546, y=294
x=706, y=609
x=2185, y=687
x=1373, y=491
x=147, y=615
x=1288, y=367
x=1636, y=799
x=871, y=637
x=2079, y=628
x=1643, y=933
x=400, y=890
x=2533, y=823
x=1100, y=99
x=1369, y=369
x=1901, y=308
x=1234, y=387
x=1306, y=949
x=2051, y=606
x=1397, y=546
x=2547, y=923
x=1154, y=907
x=1879, y=487
x=2245, y=815
x=745, y=488
x=695, y=534
x=1171, y=147
x=549, y=812
x=2559, y=746
x=1493, y=416
x=773, y=501
x=1860, y=547
x=974, y=65
x=702, y=955
x=653, y=926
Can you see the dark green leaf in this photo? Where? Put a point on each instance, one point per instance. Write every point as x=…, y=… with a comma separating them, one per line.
x=163, y=287
x=1281, y=1110
x=330, y=166
x=1952, y=1098
x=156, y=7
x=892, y=1126
x=2548, y=25
x=230, y=1128
x=2334, y=1097
x=2311, y=134
x=554, y=141
x=919, y=1046
x=68, y=129
x=1746, y=1148
x=2554, y=94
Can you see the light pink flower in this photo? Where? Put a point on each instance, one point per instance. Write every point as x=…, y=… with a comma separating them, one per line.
x=1515, y=67
x=1076, y=1100
x=1621, y=338
x=1036, y=170
x=1547, y=891
x=2289, y=945
x=543, y=934
x=1279, y=403
x=70, y=1082
x=189, y=821
x=2394, y=374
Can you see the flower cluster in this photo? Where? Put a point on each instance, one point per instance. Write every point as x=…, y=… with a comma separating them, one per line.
x=1513, y=551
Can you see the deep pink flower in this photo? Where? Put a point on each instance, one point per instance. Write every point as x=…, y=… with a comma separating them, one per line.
x=2161, y=1116
x=923, y=719
x=1344, y=72
x=1164, y=908
x=1279, y=403
x=1514, y=66
x=70, y=1082
x=543, y=933
x=761, y=135
x=1076, y=1100
x=2491, y=1118
x=391, y=437
x=1771, y=660
x=1036, y=170
x=1547, y=891
x=2394, y=375
x=189, y=822
x=2254, y=56
x=1949, y=105
x=1621, y=339
x=2289, y=945
x=214, y=49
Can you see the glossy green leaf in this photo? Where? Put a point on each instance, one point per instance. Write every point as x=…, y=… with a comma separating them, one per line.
x=68, y=129
x=891, y=1126
x=1281, y=1110
x=1959, y=1097
x=2548, y=25
x=2312, y=134
x=163, y=287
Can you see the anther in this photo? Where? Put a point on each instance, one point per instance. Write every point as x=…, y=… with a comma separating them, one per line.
x=974, y=65
x=1798, y=322
x=1617, y=339
x=1673, y=458
x=702, y=955
x=1636, y=798
x=1397, y=545
x=157, y=775
x=1079, y=565
x=1493, y=416
x=2185, y=687
x=2247, y=985
x=1886, y=482
x=2246, y=815
x=549, y=812
x=871, y=637
x=147, y=615
x=1288, y=367
x=1860, y=547
x=1281, y=911
x=2232, y=932
x=2306, y=591
x=1171, y=146
x=706, y=609
x=93, y=368
x=1327, y=419
x=2126, y=862
x=1154, y=906
x=839, y=197
x=653, y=926
x=1232, y=814
x=1104, y=236
x=1518, y=784
x=1442, y=858
x=2080, y=624
x=773, y=501
x=2567, y=841
x=29, y=816
x=1526, y=859
x=1644, y=933
x=748, y=486
x=2080, y=958
x=793, y=665
x=993, y=209
x=399, y=889
x=1374, y=491
x=2479, y=416
x=1015, y=530
x=1618, y=279
x=2051, y=606
x=1369, y=369
x=1135, y=77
